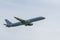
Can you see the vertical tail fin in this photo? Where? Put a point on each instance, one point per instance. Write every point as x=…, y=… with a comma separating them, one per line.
x=7, y=21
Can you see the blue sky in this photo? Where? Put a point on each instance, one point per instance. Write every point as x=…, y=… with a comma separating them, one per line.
x=48, y=29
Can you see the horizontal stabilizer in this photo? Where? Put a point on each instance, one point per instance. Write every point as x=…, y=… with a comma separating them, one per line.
x=7, y=21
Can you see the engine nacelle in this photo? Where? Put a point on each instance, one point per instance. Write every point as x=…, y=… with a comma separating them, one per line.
x=28, y=24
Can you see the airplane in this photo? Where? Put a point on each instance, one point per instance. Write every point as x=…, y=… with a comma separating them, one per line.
x=22, y=22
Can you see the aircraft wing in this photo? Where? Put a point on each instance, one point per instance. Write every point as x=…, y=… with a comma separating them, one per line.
x=30, y=20
x=19, y=19
x=35, y=19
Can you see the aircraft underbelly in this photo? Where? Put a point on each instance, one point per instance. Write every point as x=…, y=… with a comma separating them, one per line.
x=16, y=24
